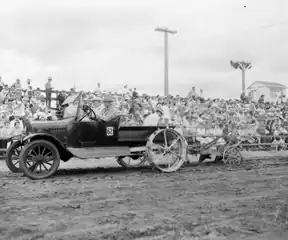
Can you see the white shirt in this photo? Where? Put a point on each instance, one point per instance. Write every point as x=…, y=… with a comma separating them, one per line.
x=151, y=120
x=166, y=113
x=42, y=107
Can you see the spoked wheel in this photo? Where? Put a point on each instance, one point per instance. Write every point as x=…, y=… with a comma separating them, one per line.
x=166, y=150
x=232, y=156
x=39, y=159
x=131, y=161
x=12, y=157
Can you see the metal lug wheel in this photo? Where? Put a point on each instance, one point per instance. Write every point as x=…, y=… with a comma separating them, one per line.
x=130, y=162
x=12, y=157
x=39, y=159
x=232, y=156
x=166, y=150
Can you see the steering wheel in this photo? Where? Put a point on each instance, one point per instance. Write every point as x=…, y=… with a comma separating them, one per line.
x=89, y=112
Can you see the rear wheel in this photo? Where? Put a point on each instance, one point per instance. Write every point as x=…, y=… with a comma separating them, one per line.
x=39, y=159
x=130, y=162
x=166, y=150
x=12, y=157
x=232, y=156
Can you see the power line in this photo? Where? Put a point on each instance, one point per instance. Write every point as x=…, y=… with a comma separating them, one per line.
x=268, y=26
x=251, y=30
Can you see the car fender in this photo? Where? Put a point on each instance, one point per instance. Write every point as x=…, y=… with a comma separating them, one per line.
x=65, y=154
x=36, y=135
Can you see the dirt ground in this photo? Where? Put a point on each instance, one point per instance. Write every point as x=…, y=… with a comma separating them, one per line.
x=95, y=199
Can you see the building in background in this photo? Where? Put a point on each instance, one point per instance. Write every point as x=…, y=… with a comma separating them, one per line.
x=272, y=91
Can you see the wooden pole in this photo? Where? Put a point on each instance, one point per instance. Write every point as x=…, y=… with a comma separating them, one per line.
x=243, y=80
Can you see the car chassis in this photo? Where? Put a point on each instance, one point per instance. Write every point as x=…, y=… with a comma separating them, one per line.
x=46, y=143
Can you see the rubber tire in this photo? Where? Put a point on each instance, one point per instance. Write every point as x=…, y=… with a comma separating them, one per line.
x=8, y=157
x=23, y=157
x=124, y=165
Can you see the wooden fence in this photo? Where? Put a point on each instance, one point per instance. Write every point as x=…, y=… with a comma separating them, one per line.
x=55, y=92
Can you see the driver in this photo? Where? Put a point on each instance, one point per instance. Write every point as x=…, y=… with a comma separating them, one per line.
x=108, y=111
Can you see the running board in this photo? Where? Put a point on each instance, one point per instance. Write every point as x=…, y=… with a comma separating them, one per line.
x=100, y=152
x=138, y=149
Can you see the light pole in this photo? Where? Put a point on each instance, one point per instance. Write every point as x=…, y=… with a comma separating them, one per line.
x=243, y=66
x=166, y=31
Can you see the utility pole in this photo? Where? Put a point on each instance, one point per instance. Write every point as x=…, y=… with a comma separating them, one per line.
x=166, y=81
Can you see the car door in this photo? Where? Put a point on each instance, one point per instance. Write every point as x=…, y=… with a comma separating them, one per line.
x=88, y=133
x=82, y=134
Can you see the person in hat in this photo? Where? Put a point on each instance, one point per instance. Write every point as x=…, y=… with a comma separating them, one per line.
x=192, y=92
x=48, y=88
x=42, y=105
x=108, y=111
x=60, y=98
x=96, y=103
x=17, y=89
x=136, y=117
x=2, y=95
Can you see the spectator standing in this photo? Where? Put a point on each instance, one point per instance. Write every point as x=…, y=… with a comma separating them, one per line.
x=2, y=96
x=18, y=90
x=29, y=91
x=48, y=88
x=98, y=89
x=1, y=82
x=192, y=93
x=201, y=95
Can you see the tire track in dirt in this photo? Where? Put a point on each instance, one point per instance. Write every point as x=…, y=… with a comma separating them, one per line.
x=196, y=202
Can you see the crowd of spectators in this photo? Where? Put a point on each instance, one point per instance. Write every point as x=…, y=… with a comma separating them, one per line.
x=192, y=115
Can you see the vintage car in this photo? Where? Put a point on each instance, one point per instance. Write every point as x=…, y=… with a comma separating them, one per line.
x=86, y=136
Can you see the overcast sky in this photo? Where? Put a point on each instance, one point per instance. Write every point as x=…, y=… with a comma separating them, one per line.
x=82, y=42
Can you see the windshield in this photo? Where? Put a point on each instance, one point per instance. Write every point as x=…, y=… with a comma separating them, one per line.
x=74, y=103
x=70, y=111
x=71, y=99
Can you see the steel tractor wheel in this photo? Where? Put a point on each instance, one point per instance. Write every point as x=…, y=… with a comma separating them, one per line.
x=12, y=157
x=232, y=156
x=166, y=150
x=39, y=159
x=131, y=162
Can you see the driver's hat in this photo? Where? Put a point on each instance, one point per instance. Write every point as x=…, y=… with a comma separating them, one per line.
x=108, y=98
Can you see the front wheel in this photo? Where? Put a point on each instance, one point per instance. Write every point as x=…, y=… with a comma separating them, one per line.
x=39, y=159
x=12, y=156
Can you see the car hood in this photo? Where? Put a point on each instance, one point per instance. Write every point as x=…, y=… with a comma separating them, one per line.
x=50, y=124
